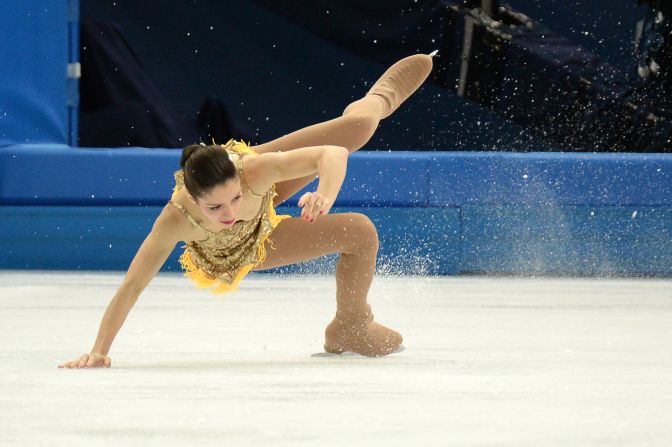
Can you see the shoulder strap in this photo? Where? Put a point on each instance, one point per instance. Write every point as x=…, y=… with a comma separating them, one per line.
x=189, y=217
x=241, y=172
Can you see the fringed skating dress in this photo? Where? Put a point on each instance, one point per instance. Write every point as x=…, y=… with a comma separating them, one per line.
x=223, y=259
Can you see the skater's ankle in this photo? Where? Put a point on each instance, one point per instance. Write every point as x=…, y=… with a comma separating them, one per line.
x=356, y=317
x=371, y=104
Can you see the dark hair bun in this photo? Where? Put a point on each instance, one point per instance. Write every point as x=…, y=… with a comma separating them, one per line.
x=187, y=152
x=210, y=167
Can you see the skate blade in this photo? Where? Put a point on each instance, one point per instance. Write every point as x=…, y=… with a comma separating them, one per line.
x=353, y=354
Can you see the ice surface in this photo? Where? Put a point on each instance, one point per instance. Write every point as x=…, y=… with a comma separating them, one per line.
x=488, y=362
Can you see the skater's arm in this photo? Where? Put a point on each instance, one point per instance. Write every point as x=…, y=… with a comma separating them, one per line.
x=157, y=246
x=328, y=162
x=152, y=254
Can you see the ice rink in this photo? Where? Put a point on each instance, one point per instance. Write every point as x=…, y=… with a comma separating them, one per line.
x=488, y=362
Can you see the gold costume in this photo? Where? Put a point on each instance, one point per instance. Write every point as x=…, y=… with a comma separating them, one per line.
x=223, y=259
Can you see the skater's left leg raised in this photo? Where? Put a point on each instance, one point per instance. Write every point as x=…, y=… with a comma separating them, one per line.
x=360, y=119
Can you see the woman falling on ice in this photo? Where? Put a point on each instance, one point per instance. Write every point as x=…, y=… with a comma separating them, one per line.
x=223, y=208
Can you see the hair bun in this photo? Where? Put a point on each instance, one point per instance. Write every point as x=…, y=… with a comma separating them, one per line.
x=187, y=152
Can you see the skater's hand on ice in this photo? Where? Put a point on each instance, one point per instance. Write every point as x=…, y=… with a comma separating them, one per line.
x=92, y=360
x=313, y=204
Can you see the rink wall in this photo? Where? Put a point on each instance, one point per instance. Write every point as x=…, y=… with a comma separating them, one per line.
x=436, y=212
x=39, y=50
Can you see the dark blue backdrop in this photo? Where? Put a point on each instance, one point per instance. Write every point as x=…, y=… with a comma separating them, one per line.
x=276, y=76
x=34, y=57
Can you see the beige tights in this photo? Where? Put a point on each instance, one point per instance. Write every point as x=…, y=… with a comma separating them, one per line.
x=354, y=236
x=351, y=130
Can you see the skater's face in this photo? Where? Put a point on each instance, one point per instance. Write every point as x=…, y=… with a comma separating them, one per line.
x=222, y=203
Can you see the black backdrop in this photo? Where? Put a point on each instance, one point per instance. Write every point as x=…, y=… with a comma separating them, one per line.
x=279, y=70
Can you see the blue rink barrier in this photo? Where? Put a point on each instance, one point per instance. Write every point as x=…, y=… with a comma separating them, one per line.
x=34, y=50
x=436, y=212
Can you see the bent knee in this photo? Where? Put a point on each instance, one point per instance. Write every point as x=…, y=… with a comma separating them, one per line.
x=364, y=236
x=361, y=127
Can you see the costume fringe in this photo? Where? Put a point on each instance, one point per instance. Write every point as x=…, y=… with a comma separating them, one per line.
x=239, y=146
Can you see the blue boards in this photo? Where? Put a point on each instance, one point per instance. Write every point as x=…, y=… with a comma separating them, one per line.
x=436, y=212
x=34, y=50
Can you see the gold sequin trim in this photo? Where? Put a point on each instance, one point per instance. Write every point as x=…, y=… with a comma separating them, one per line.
x=223, y=259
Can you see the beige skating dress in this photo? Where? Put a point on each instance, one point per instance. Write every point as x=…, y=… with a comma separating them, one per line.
x=222, y=260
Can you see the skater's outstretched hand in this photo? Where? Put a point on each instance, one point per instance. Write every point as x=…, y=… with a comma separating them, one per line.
x=313, y=204
x=91, y=360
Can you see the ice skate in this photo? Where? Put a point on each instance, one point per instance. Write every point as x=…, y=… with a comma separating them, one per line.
x=361, y=335
x=401, y=80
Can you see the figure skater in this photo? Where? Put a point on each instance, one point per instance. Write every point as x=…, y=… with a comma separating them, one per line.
x=223, y=208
